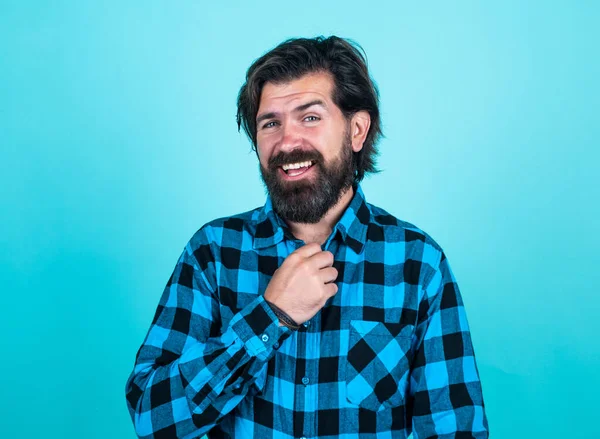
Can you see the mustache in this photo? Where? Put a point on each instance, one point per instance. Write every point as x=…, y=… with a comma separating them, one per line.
x=294, y=157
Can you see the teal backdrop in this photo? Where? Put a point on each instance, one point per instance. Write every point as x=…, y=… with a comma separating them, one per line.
x=118, y=141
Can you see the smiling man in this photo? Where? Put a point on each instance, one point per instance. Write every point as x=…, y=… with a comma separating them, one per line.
x=317, y=314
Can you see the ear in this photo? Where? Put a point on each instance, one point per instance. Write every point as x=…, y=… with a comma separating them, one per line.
x=359, y=128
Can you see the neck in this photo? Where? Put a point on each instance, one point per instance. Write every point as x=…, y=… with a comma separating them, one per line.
x=320, y=231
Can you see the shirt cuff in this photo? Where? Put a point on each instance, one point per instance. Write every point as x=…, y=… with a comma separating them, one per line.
x=258, y=327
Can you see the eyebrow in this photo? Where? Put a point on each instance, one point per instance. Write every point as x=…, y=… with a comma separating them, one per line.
x=298, y=109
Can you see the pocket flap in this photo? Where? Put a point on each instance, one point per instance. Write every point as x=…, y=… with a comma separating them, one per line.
x=365, y=327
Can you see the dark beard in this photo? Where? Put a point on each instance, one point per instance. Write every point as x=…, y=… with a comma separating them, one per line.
x=308, y=201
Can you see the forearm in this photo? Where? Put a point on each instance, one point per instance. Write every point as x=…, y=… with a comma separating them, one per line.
x=450, y=404
x=445, y=384
x=193, y=391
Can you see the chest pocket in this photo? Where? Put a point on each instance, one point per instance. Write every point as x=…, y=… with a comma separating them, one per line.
x=378, y=366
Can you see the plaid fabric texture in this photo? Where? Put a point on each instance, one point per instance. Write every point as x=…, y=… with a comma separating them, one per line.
x=389, y=354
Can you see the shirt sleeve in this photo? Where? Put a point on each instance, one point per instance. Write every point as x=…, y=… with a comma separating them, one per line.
x=189, y=372
x=445, y=387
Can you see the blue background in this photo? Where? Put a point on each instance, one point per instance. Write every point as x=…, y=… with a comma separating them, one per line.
x=118, y=141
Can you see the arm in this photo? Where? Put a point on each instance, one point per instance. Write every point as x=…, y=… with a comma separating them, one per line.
x=188, y=374
x=447, y=399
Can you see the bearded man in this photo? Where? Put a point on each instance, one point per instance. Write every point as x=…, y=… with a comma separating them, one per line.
x=317, y=314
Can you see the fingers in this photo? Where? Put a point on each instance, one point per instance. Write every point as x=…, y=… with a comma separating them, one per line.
x=321, y=259
x=308, y=250
x=328, y=274
x=331, y=289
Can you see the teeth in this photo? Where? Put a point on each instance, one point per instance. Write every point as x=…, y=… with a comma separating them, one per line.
x=296, y=165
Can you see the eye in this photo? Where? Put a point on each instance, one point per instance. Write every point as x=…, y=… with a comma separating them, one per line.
x=270, y=124
x=312, y=118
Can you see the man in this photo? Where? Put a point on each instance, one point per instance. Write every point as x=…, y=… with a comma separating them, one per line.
x=318, y=314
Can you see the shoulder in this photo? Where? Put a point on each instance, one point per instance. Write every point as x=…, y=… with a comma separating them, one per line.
x=418, y=244
x=225, y=231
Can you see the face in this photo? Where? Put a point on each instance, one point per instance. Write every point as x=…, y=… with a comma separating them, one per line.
x=305, y=147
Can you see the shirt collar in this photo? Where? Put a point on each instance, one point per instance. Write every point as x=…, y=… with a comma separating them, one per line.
x=352, y=226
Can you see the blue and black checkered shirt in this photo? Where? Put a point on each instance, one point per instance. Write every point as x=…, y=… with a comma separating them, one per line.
x=389, y=354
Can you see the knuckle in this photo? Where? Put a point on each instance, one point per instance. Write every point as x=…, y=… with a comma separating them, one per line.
x=306, y=268
x=310, y=247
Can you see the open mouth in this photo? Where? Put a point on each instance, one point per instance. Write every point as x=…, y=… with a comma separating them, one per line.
x=297, y=169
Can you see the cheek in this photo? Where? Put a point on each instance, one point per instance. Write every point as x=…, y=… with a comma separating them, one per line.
x=265, y=145
x=263, y=155
x=332, y=148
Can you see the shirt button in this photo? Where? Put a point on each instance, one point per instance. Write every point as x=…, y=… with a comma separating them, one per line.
x=306, y=324
x=305, y=381
x=265, y=338
x=237, y=386
x=276, y=345
x=303, y=437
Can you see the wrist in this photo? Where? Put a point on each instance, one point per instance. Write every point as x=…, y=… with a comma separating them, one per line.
x=284, y=318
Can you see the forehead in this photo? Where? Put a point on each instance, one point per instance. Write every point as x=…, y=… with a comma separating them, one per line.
x=310, y=86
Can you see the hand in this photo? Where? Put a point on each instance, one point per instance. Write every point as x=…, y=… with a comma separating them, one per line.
x=303, y=283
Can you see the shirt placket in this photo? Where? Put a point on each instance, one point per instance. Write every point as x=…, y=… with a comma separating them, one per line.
x=306, y=377
x=306, y=380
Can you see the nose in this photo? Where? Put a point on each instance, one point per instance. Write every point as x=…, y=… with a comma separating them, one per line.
x=290, y=138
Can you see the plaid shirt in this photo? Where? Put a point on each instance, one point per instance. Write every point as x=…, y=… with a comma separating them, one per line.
x=390, y=353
